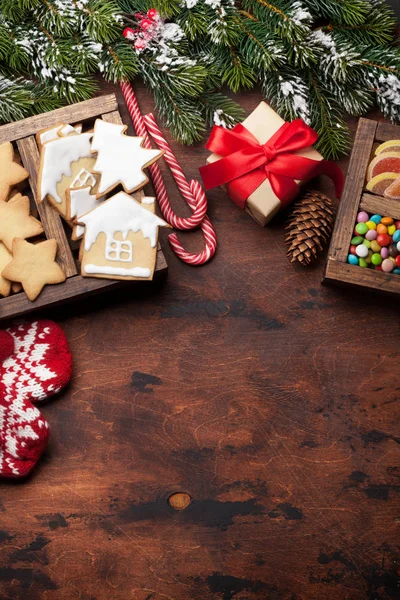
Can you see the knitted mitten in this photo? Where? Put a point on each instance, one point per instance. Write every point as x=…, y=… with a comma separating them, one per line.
x=41, y=364
x=6, y=345
x=23, y=433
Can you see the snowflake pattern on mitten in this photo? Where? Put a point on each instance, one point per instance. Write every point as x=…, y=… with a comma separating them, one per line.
x=24, y=433
x=41, y=364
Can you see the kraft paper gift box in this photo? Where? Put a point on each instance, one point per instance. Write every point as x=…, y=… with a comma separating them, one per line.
x=263, y=122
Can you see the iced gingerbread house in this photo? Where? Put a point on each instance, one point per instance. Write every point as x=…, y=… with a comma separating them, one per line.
x=120, y=239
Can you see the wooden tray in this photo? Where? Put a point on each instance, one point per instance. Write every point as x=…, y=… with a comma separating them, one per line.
x=23, y=134
x=338, y=270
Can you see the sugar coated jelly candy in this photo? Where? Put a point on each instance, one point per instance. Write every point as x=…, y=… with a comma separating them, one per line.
x=376, y=218
x=353, y=260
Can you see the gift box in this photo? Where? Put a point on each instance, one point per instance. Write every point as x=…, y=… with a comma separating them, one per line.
x=263, y=161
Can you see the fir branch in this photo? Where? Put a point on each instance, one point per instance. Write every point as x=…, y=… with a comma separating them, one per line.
x=20, y=98
x=259, y=46
x=102, y=20
x=118, y=62
x=220, y=110
x=350, y=12
x=378, y=28
x=326, y=117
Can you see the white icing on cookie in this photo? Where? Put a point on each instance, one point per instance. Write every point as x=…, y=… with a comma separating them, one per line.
x=120, y=157
x=57, y=158
x=81, y=202
x=134, y=272
x=121, y=213
x=52, y=134
x=83, y=178
x=147, y=200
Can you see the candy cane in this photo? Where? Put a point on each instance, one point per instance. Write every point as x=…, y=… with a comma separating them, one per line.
x=169, y=215
x=207, y=230
x=194, y=196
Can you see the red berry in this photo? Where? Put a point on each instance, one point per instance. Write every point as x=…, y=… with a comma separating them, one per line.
x=145, y=24
x=140, y=44
x=384, y=239
x=152, y=13
x=128, y=33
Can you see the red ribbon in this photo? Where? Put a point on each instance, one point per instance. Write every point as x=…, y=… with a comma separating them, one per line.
x=246, y=163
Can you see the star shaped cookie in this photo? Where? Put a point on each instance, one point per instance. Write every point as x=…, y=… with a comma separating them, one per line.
x=11, y=172
x=15, y=221
x=5, y=259
x=34, y=266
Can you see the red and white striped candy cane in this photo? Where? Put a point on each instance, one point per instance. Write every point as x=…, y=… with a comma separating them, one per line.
x=199, y=211
x=194, y=196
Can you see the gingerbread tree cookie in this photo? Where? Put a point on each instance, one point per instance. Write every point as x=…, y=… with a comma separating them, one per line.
x=15, y=221
x=120, y=158
x=34, y=266
x=11, y=172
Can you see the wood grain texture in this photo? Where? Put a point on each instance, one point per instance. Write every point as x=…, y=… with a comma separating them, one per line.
x=387, y=131
x=67, y=114
x=352, y=191
x=366, y=278
x=270, y=400
x=50, y=218
x=381, y=206
x=73, y=289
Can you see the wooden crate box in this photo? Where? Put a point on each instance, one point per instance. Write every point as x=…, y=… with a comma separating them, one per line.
x=369, y=135
x=22, y=133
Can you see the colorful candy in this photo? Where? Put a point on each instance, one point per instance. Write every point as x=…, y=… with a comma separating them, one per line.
x=375, y=243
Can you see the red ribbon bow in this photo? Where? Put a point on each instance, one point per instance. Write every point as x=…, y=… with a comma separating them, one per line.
x=246, y=163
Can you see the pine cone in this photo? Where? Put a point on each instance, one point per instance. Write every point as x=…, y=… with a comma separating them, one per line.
x=309, y=228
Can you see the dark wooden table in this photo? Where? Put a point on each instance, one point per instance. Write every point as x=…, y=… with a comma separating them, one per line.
x=271, y=401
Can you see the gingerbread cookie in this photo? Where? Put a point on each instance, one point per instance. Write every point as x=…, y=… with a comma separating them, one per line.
x=11, y=172
x=52, y=133
x=120, y=239
x=79, y=202
x=5, y=258
x=61, y=162
x=120, y=158
x=34, y=266
x=15, y=221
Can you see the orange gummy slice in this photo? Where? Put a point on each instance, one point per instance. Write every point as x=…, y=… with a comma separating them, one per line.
x=386, y=162
x=379, y=183
x=393, y=190
x=389, y=146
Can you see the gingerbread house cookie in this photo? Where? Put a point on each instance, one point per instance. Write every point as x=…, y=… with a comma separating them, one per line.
x=120, y=239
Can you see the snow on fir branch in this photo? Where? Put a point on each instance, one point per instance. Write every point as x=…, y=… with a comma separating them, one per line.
x=314, y=59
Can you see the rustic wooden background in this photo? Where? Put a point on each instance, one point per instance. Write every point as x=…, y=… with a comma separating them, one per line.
x=271, y=401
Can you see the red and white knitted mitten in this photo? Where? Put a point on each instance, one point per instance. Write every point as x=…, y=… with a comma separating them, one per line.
x=41, y=364
x=23, y=433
